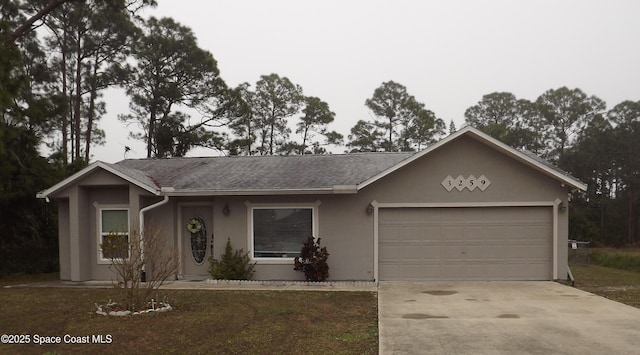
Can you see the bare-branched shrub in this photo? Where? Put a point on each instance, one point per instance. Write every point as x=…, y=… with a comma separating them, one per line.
x=131, y=256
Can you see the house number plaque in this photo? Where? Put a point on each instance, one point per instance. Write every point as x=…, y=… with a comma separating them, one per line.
x=470, y=183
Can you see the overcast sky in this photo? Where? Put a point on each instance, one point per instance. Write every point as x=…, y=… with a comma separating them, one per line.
x=447, y=53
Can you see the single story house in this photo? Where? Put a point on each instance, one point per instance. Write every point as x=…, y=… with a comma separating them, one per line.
x=466, y=208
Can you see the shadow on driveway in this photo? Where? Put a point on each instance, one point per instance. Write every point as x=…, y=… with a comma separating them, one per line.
x=502, y=318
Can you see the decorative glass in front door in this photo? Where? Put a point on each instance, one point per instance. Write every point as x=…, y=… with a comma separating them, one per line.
x=198, y=230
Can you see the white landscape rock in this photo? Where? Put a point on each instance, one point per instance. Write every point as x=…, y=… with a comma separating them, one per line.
x=164, y=307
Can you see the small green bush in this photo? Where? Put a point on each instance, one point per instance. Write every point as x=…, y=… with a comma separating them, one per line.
x=313, y=261
x=232, y=265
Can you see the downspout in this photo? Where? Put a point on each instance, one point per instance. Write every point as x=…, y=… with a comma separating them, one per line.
x=141, y=219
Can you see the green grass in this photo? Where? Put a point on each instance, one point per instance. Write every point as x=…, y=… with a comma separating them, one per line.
x=624, y=259
x=234, y=322
x=615, y=284
x=613, y=273
x=202, y=322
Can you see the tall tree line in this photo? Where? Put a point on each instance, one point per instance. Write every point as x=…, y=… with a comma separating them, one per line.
x=577, y=133
x=28, y=240
x=263, y=126
x=180, y=101
x=178, y=98
x=56, y=57
x=88, y=42
x=400, y=122
x=85, y=46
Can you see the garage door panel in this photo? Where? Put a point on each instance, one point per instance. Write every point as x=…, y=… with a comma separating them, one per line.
x=398, y=232
x=451, y=232
x=450, y=251
x=510, y=243
x=464, y=271
x=529, y=232
x=475, y=252
x=532, y=253
x=410, y=270
x=519, y=251
x=404, y=253
x=495, y=252
x=473, y=231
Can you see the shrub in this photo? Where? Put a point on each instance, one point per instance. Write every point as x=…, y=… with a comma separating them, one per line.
x=232, y=265
x=313, y=261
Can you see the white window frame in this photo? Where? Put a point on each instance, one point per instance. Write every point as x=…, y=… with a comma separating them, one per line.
x=101, y=259
x=250, y=237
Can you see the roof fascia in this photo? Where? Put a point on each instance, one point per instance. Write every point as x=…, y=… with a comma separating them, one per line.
x=266, y=192
x=80, y=174
x=488, y=140
x=528, y=160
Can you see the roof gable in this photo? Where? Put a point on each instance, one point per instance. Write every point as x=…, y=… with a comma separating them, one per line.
x=136, y=178
x=527, y=158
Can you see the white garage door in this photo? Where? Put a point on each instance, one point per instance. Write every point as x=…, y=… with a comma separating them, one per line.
x=475, y=243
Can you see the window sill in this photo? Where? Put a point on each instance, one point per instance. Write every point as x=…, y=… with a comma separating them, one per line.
x=273, y=261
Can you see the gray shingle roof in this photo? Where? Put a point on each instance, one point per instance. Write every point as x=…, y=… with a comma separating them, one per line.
x=341, y=173
x=134, y=174
x=547, y=163
x=260, y=173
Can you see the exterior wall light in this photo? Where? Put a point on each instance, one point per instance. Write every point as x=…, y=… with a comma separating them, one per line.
x=370, y=209
x=226, y=210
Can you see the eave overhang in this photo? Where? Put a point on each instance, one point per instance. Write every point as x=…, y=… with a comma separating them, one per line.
x=91, y=168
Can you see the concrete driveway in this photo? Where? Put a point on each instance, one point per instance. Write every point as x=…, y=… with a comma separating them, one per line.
x=502, y=318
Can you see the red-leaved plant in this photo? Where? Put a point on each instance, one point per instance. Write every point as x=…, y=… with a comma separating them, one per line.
x=313, y=261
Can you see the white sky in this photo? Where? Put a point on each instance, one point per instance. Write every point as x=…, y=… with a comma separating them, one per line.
x=447, y=53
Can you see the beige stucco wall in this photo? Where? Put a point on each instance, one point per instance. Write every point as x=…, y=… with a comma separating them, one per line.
x=64, y=246
x=78, y=230
x=510, y=180
x=344, y=226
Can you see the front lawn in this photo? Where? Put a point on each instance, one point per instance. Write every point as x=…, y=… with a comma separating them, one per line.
x=618, y=279
x=203, y=321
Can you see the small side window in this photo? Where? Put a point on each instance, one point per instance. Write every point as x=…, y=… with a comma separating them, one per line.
x=114, y=234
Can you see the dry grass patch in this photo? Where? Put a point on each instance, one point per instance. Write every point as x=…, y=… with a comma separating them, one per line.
x=204, y=321
x=615, y=284
x=15, y=279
